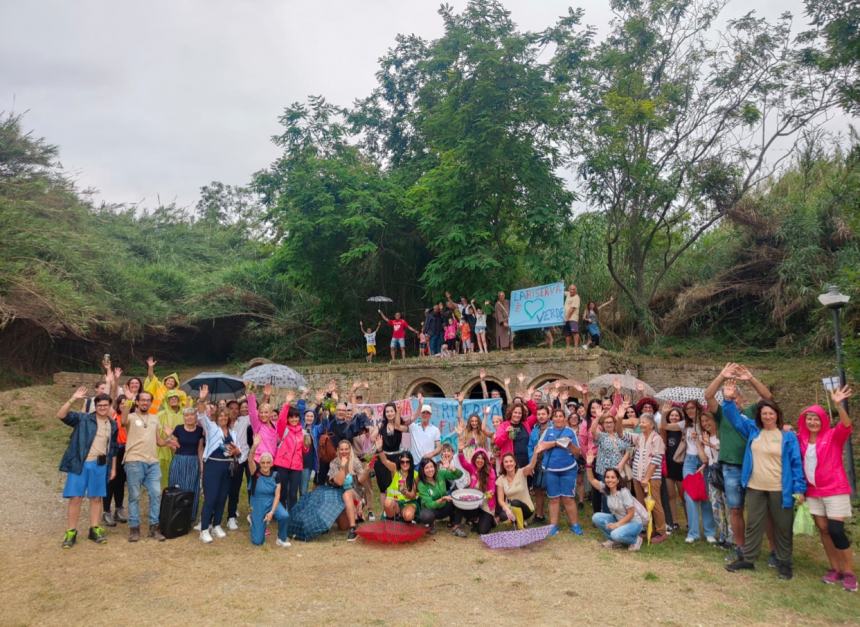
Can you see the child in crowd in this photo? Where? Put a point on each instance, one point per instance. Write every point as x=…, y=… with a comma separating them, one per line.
x=370, y=338
x=480, y=328
x=466, y=335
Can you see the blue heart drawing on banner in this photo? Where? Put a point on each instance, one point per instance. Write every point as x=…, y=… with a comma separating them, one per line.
x=533, y=307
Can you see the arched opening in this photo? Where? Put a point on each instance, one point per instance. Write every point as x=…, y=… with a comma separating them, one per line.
x=542, y=380
x=472, y=389
x=425, y=387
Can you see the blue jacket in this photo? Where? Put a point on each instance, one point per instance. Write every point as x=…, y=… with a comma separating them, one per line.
x=84, y=432
x=793, y=480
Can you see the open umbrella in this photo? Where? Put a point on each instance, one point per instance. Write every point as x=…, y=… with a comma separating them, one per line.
x=391, y=532
x=221, y=386
x=379, y=299
x=275, y=374
x=682, y=395
x=628, y=382
x=516, y=539
x=649, y=505
x=560, y=384
x=315, y=513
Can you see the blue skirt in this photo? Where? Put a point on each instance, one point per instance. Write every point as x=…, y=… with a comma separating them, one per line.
x=185, y=473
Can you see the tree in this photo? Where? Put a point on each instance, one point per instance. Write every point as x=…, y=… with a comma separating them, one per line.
x=672, y=124
x=837, y=22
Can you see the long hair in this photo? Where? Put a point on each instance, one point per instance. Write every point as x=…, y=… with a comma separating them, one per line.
x=502, y=465
x=761, y=405
x=483, y=473
x=410, y=473
x=591, y=404
x=510, y=413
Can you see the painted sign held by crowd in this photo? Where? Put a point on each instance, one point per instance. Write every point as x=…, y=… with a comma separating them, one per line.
x=444, y=413
x=537, y=307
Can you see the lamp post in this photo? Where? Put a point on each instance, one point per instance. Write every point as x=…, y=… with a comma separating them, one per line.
x=835, y=300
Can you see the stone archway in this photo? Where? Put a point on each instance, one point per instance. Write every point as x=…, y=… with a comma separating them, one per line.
x=425, y=386
x=545, y=378
x=472, y=388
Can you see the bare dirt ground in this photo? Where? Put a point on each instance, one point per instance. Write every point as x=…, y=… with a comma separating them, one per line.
x=440, y=580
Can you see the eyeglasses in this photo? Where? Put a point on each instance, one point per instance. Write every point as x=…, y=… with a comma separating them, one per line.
x=404, y=461
x=102, y=405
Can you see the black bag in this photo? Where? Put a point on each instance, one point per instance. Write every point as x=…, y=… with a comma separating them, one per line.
x=715, y=477
x=175, y=517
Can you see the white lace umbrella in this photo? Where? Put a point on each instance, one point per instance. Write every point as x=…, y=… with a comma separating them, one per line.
x=684, y=394
x=628, y=382
x=277, y=375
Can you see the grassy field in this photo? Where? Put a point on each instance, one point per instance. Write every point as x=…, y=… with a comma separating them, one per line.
x=440, y=580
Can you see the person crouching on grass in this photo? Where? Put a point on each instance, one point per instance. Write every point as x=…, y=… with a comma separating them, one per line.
x=264, y=490
x=89, y=455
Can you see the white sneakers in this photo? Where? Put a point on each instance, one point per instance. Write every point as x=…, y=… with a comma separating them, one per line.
x=205, y=536
x=283, y=543
x=232, y=524
x=636, y=545
x=218, y=532
x=711, y=540
x=197, y=527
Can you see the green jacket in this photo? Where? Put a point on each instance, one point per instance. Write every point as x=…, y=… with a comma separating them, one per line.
x=430, y=493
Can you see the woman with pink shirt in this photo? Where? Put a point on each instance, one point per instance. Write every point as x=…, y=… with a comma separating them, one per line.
x=828, y=491
x=289, y=457
x=482, y=477
x=512, y=436
x=261, y=423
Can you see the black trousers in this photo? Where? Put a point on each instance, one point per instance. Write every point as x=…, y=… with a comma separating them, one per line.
x=428, y=516
x=242, y=474
x=484, y=520
x=116, y=486
x=290, y=487
x=527, y=511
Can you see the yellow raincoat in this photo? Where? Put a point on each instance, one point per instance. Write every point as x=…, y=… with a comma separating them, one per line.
x=156, y=387
x=167, y=420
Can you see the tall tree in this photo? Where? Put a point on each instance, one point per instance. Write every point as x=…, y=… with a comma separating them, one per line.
x=837, y=22
x=672, y=123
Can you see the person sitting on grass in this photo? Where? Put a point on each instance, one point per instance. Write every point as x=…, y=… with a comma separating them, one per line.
x=626, y=517
x=370, y=339
x=264, y=490
x=512, y=491
x=401, y=496
x=346, y=472
x=88, y=463
x=828, y=490
x=436, y=504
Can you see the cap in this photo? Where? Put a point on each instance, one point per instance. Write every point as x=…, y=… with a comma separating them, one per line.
x=427, y=408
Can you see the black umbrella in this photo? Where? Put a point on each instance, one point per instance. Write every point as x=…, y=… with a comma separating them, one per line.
x=221, y=386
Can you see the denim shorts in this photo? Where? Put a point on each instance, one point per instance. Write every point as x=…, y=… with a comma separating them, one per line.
x=734, y=489
x=398, y=342
x=560, y=483
x=91, y=483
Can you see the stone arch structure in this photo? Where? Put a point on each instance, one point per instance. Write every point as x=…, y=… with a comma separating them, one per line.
x=545, y=378
x=427, y=386
x=472, y=387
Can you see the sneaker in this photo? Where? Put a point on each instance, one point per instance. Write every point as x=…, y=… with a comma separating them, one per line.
x=735, y=553
x=70, y=538
x=198, y=527
x=636, y=545
x=371, y=517
x=772, y=562
x=97, y=535
x=232, y=524
x=133, y=534
x=540, y=519
x=553, y=531
x=832, y=576
x=283, y=543
x=711, y=539
x=609, y=544
x=690, y=540
x=205, y=536
x=460, y=533
x=658, y=538
x=156, y=534
x=108, y=519
x=351, y=535
x=740, y=564
x=849, y=582
x=121, y=515
x=576, y=529
x=218, y=532
x=431, y=529
x=248, y=518
x=784, y=570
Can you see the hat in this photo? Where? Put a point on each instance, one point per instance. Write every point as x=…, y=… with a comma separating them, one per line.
x=427, y=408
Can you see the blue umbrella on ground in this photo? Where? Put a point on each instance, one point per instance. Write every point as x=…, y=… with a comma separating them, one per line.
x=221, y=386
x=315, y=513
x=275, y=374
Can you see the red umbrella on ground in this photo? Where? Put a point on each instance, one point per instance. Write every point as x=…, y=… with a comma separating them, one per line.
x=390, y=532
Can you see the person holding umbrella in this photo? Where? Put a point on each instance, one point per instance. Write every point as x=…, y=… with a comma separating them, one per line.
x=398, y=333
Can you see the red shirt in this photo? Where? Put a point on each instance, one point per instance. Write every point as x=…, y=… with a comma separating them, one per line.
x=398, y=329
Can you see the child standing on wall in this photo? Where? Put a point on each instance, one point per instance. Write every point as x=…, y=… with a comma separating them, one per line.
x=466, y=335
x=370, y=338
x=480, y=328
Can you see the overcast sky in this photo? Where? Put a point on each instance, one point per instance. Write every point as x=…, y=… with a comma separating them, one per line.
x=151, y=100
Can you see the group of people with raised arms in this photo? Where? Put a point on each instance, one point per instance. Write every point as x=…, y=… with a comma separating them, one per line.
x=535, y=459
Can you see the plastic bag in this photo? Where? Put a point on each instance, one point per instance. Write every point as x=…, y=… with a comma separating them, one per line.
x=803, y=523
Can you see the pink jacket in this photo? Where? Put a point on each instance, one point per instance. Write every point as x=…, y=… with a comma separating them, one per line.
x=292, y=446
x=830, y=478
x=469, y=466
x=266, y=431
x=504, y=442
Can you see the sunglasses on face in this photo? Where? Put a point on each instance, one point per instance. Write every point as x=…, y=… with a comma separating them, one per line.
x=404, y=461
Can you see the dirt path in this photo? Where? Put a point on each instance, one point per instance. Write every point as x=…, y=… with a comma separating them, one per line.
x=442, y=580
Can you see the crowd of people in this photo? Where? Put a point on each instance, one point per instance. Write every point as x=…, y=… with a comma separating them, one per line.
x=461, y=327
x=729, y=472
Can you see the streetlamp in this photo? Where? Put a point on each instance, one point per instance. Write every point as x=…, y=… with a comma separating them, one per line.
x=835, y=300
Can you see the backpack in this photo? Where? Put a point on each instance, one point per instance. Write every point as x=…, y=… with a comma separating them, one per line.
x=327, y=449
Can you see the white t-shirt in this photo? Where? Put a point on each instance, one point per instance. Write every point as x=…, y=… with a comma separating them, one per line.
x=692, y=444
x=810, y=463
x=422, y=440
x=370, y=338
